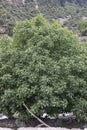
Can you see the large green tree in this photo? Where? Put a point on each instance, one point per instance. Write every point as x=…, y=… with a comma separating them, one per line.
x=45, y=67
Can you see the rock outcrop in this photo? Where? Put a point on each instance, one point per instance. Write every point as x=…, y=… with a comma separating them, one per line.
x=16, y=1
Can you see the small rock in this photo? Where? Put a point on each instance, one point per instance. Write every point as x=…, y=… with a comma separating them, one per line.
x=2, y=117
x=75, y=129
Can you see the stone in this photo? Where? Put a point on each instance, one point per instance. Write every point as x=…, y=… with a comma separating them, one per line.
x=3, y=117
x=51, y=128
x=16, y=1
x=5, y=128
x=75, y=129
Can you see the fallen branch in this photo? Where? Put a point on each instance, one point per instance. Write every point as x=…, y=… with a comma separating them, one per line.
x=40, y=125
x=35, y=116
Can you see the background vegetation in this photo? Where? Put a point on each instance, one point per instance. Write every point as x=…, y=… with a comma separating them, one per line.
x=52, y=9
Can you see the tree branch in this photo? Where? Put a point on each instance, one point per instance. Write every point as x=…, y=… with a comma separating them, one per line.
x=35, y=116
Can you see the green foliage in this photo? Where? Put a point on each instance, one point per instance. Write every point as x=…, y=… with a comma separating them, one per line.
x=45, y=67
x=83, y=27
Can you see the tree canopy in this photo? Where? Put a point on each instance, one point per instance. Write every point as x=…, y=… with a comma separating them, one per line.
x=45, y=67
x=83, y=27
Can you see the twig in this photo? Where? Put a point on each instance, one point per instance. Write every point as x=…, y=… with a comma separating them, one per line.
x=35, y=116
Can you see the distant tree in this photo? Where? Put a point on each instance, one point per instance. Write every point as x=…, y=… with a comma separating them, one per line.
x=83, y=27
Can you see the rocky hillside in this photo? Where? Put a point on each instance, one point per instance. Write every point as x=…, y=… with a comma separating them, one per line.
x=61, y=2
x=69, y=12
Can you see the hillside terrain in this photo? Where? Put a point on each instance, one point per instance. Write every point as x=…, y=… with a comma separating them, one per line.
x=61, y=2
x=69, y=12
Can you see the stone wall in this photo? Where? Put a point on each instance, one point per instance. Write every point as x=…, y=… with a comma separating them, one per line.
x=40, y=128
